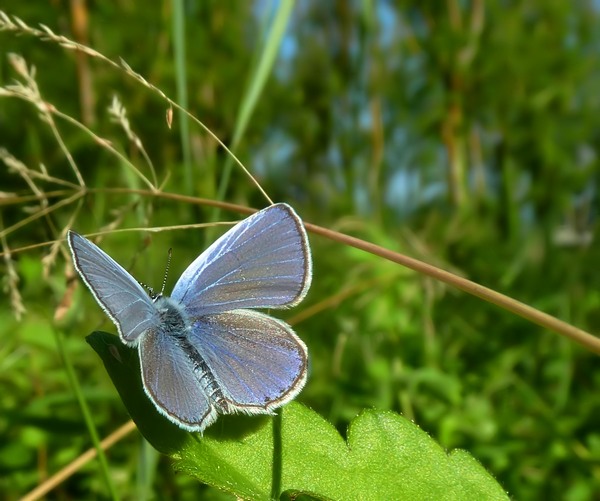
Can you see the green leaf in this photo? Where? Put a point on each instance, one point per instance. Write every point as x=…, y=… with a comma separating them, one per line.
x=385, y=456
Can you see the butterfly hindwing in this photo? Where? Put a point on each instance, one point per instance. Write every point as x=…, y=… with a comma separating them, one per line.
x=172, y=383
x=262, y=262
x=257, y=360
x=117, y=292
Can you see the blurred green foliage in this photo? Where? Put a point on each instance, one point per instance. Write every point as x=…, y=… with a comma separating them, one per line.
x=464, y=133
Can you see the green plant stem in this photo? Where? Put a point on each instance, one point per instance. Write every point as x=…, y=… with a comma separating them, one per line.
x=86, y=415
x=277, y=456
x=255, y=88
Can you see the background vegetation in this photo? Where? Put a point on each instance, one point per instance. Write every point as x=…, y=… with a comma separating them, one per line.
x=464, y=133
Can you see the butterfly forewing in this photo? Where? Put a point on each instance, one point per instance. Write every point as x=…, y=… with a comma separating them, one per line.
x=262, y=262
x=117, y=292
x=172, y=383
x=258, y=361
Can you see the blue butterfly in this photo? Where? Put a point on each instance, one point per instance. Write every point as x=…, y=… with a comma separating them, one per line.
x=202, y=353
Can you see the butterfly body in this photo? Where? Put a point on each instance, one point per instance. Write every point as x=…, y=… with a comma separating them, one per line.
x=176, y=326
x=202, y=351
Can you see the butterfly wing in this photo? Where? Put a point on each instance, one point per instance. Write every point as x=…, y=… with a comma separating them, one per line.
x=257, y=361
x=117, y=292
x=262, y=262
x=172, y=383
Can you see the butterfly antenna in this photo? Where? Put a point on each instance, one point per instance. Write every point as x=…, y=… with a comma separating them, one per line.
x=164, y=284
x=150, y=290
